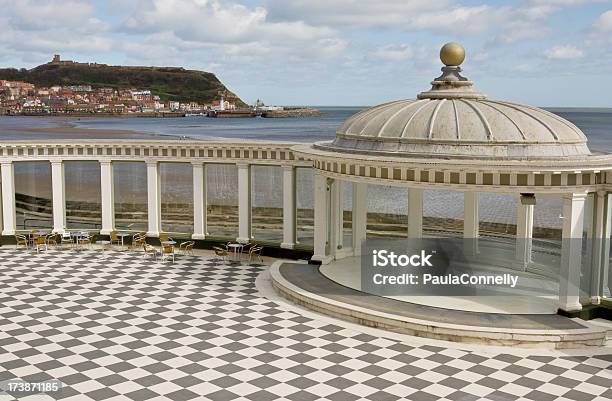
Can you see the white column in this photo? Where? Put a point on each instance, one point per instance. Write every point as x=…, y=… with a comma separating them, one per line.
x=471, y=219
x=415, y=213
x=153, y=199
x=199, y=200
x=289, y=208
x=360, y=215
x=107, y=190
x=336, y=218
x=600, y=257
x=605, y=246
x=8, y=199
x=571, y=252
x=524, y=232
x=59, y=196
x=244, y=203
x=321, y=219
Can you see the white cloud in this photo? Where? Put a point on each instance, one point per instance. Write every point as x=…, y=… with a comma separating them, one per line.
x=45, y=14
x=351, y=13
x=37, y=29
x=213, y=20
x=604, y=23
x=462, y=20
x=566, y=52
x=392, y=53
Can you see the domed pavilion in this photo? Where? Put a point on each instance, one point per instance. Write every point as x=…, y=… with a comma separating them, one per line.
x=453, y=137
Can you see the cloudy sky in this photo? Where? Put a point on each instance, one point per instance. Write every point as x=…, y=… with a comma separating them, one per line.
x=332, y=52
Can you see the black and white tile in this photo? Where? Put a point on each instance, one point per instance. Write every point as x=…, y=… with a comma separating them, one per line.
x=121, y=327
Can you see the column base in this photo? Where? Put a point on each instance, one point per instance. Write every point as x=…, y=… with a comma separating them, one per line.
x=8, y=232
x=324, y=259
x=198, y=236
x=243, y=240
x=344, y=253
x=571, y=307
x=152, y=233
x=521, y=264
x=105, y=231
x=287, y=245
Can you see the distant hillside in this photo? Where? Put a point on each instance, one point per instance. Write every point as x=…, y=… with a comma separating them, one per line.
x=169, y=83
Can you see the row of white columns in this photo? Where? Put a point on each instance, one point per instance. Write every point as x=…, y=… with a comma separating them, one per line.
x=329, y=225
x=8, y=215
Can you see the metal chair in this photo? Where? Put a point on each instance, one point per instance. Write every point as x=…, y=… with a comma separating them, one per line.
x=84, y=238
x=138, y=240
x=220, y=252
x=186, y=248
x=246, y=247
x=114, y=238
x=149, y=250
x=33, y=237
x=22, y=240
x=167, y=251
x=67, y=239
x=255, y=253
x=41, y=243
x=52, y=240
x=164, y=237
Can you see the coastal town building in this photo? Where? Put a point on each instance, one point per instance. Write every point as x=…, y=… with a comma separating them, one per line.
x=25, y=98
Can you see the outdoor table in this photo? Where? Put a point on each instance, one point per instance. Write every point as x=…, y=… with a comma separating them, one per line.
x=236, y=246
x=39, y=233
x=79, y=236
x=122, y=236
x=168, y=242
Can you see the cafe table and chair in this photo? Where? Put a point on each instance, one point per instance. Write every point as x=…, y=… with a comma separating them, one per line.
x=236, y=249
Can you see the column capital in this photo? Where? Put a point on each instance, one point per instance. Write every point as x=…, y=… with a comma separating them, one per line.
x=150, y=162
x=575, y=196
x=105, y=161
x=287, y=167
x=243, y=165
x=6, y=162
x=197, y=164
x=61, y=161
x=601, y=193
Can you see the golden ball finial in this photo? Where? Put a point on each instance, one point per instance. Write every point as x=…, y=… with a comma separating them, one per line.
x=452, y=54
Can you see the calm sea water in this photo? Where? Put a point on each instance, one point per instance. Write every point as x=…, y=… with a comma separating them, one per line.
x=596, y=124
x=263, y=129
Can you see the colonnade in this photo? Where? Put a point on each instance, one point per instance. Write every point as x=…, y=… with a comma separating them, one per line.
x=329, y=229
x=328, y=218
x=8, y=215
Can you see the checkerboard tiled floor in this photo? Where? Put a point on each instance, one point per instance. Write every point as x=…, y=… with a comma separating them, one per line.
x=126, y=328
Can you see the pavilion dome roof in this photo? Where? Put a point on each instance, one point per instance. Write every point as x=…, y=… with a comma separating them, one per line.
x=454, y=120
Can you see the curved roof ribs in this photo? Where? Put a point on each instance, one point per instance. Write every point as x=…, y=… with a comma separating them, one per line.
x=484, y=120
x=491, y=105
x=548, y=127
x=395, y=115
x=432, y=120
x=413, y=116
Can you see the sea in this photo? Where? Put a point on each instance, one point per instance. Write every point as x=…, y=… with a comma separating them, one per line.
x=596, y=123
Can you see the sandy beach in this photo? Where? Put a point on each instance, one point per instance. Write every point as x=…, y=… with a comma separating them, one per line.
x=30, y=128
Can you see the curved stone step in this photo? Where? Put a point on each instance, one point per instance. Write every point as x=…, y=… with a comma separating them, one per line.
x=304, y=285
